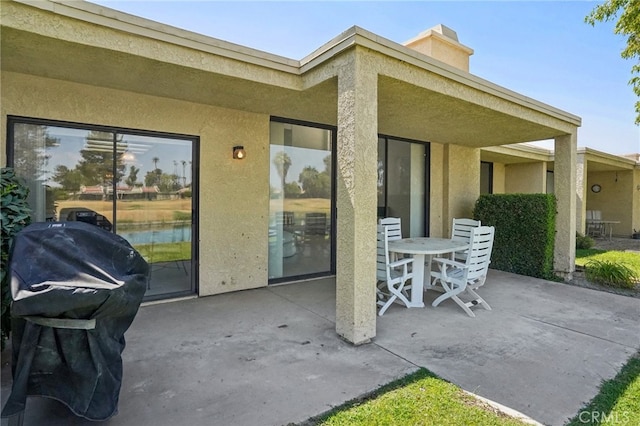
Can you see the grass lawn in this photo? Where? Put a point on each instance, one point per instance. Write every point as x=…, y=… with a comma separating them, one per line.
x=631, y=260
x=420, y=398
x=618, y=402
x=165, y=252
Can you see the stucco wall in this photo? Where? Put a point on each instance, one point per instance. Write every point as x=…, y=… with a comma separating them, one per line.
x=436, y=191
x=635, y=200
x=233, y=213
x=462, y=186
x=498, y=178
x=526, y=178
x=613, y=200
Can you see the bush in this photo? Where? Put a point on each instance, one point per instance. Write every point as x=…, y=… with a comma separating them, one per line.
x=525, y=231
x=178, y=215
x=610, y=274
x=584, y=242
x=15, y=216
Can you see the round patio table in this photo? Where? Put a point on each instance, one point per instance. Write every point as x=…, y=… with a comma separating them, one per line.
x=423, y=249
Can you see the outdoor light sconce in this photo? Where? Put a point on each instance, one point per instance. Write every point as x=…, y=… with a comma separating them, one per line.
x=238, y=152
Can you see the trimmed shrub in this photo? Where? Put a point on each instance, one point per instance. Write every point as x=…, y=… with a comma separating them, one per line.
x=15, y=216
x=525, y=231
x=584, y=242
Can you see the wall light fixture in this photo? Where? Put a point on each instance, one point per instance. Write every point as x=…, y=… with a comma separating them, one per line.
x=238, y=152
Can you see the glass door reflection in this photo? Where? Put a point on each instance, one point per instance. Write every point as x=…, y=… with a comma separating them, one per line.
x=137, y=186
x=301, y=202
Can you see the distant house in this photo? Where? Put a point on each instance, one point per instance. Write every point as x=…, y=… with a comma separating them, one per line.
x=604, y=182
x=96, y=192
x=364, y=125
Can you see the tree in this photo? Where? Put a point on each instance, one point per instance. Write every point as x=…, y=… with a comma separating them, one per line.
x=155, y=162
x=69, y=179
x=153, y=177
x=184, y=178
x=628, y=24
x=132, y=179
x=291, y=190
x=96, y=164
x=282, y=161
x=30, y=150
x=315, y=184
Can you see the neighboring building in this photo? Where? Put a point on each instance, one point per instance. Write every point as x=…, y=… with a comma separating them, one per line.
x=604, y=182
x=361, y=126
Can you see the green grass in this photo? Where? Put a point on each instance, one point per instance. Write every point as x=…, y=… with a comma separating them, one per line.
x=165, y=252
x=420, y=398
x=618, y=401
x=628, y=259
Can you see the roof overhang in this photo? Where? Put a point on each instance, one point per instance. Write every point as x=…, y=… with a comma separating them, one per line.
x=596, y=161
x=514, y=154
x=418, y=96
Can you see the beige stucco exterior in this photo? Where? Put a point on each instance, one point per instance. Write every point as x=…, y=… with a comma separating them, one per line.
x=520, y=168
x=525, y=177
x=244, y=185
x=441, y=43
x=123, y=71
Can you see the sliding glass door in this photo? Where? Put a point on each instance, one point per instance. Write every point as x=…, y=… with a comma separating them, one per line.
x=301, y=213
x=137, y=184
x=403, y=182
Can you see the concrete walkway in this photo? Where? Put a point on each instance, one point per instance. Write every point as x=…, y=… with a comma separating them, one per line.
x=271, y=356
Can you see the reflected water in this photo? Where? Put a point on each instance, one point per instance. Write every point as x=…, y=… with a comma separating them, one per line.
x=162, y=235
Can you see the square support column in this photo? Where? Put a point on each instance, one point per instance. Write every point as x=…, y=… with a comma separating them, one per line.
x=356, y=199
x=564, y=256
x=581, y=193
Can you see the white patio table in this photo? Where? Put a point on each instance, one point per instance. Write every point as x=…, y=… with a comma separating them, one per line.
x=606, y=225
x=423, y=249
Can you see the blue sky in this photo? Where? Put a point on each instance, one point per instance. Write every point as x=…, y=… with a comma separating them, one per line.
x=541, y=49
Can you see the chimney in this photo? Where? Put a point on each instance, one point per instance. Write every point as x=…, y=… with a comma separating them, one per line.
x=441, y=43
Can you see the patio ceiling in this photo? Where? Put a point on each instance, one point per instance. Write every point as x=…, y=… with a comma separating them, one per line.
x=515, y=154
x=413, y=112
x=30, y=53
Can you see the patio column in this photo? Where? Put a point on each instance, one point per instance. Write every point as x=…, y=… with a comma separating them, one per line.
x=356, y=198
x=565, y=189
x=581, y=192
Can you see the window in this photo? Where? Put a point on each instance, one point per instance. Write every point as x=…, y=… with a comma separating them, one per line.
x=301, y=211
x=403, y=182
x=137, y=184
x=486, y=178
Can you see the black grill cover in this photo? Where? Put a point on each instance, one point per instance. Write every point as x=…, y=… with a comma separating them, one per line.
x=77, y=271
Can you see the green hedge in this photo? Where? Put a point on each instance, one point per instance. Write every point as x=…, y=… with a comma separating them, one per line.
x=15, y=216
x=525, y=231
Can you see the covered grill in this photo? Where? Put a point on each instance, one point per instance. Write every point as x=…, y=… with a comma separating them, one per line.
x=76, y=289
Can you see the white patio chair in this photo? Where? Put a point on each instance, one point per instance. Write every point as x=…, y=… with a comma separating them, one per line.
x=461, y=231
x=392, y=275
x=394, y=232
x=394, y=227
x=595, y=227
x=458, y=277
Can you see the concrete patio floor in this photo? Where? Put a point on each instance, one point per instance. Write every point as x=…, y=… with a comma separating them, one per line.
x=271, y=356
